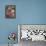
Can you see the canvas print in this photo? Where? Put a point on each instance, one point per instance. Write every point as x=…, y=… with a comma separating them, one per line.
x=30, y=35
x=10, y=11
x=33, y=32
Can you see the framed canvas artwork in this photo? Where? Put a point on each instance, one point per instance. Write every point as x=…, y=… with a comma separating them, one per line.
x=10, y=11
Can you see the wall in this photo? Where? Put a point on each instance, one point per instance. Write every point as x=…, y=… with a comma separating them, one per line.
x=27, y=12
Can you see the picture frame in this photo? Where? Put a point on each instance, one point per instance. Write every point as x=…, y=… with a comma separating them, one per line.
x=10, y=11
